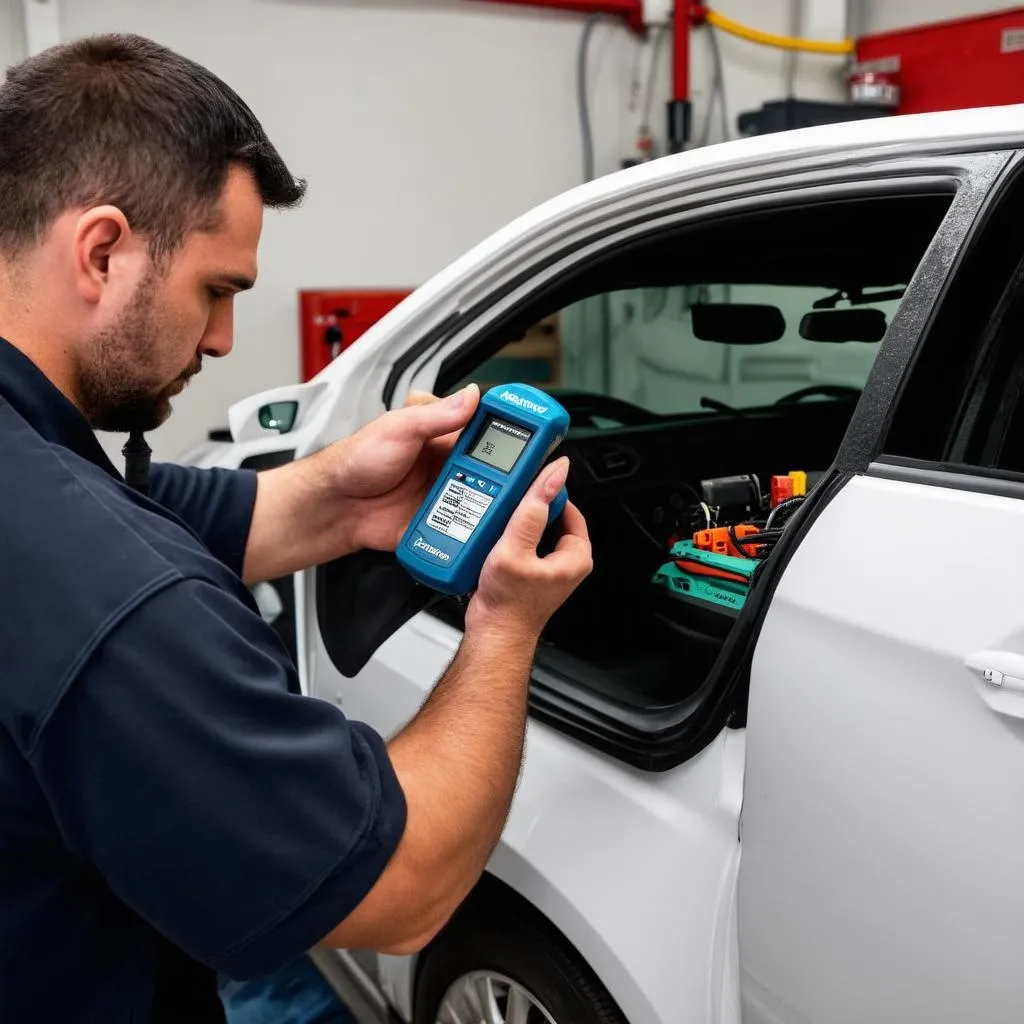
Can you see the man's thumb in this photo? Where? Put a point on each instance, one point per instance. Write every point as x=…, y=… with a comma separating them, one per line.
x=436, y=418
x=530, y=519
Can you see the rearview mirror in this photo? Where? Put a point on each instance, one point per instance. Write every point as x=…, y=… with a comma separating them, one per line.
x=842, y=325
x=737, y=323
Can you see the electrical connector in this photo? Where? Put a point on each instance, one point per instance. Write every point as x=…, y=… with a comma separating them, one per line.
x=719, y=540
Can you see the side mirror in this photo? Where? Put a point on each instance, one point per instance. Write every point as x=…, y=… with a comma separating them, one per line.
x=279, y=416
x=837, y=326
x=737, y=323
x=275, y=412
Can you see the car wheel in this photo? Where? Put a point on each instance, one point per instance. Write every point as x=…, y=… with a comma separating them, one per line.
x=495, y=967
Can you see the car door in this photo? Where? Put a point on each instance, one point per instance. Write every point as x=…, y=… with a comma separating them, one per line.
x=883, y=816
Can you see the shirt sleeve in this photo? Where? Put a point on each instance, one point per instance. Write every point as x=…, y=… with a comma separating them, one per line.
x=242, y=821
x=215, y=503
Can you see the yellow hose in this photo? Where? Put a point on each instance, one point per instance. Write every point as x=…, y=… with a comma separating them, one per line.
x=754, y=35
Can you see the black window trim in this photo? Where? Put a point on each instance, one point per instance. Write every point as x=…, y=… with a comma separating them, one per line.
x=788, y=198
x=797, y=186
x=976, y=202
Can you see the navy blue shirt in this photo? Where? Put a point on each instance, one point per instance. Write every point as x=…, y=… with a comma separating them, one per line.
x=164, y=799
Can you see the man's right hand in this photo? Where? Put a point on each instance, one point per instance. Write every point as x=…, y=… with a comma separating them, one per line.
x=519, y=590
x=459, y=759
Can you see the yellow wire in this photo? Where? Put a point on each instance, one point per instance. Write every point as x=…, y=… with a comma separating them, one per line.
x=754, y=35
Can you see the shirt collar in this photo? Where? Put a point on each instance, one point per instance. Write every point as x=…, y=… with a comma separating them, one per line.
x=32, y=395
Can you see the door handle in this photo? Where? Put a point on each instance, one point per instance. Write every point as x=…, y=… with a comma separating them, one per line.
x=1003, y=669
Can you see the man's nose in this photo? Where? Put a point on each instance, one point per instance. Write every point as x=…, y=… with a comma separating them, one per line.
x=220, y=332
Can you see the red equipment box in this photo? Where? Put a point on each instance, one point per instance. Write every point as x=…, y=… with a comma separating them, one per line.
x=329, y=321
x=950, y=65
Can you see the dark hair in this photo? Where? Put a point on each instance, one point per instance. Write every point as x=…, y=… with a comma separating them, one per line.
x=120, y=119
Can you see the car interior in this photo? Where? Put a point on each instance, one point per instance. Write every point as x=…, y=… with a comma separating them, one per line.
x=710, y=373
x=646, y=478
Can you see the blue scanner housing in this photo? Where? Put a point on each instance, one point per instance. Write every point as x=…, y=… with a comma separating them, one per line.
x=499, y=454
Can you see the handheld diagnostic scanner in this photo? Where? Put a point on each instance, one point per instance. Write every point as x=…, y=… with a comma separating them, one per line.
x=499, y=454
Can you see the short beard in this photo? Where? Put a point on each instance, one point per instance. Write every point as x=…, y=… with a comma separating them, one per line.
x=112, y=390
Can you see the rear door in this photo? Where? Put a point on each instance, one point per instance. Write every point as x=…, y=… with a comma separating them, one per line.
x=883, y=818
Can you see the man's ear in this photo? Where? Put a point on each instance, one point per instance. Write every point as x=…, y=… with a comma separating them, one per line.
x=101, y=238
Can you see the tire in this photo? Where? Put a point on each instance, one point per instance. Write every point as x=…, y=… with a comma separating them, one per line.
x=503, y=955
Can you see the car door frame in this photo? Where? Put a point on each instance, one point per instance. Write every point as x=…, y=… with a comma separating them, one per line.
x=968, y=175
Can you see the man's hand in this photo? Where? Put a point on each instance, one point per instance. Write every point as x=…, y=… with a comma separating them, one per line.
x=518, y=590
x=385, y=470
x=459, y=759
x=360, y=492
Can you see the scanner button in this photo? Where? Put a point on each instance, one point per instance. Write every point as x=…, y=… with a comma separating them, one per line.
x=494, y=488
x=460, y=476
x=482, y=484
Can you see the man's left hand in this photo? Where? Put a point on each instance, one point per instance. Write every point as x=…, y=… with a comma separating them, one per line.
x=360, y=492
x=385, y=470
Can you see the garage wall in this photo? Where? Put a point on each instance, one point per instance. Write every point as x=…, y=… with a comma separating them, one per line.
x=422, y=125
x=12, y=33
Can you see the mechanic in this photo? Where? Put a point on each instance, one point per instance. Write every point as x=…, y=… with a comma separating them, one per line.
x=168, y=810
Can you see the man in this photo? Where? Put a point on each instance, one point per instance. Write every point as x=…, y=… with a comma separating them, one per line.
x=167, y=808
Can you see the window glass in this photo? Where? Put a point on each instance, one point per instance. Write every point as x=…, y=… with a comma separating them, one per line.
x=641, y=346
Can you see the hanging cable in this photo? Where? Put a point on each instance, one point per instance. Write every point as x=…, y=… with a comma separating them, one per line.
x=796, y=20
x=755, y=35
x=717, y=92
x=583, y=98
x=652, y=74
x=716, y=49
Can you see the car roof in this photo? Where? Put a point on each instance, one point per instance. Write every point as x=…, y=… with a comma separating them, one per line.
x=852, y=141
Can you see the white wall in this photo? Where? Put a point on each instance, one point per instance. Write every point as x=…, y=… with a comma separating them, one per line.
x=12, y=33
x=421, y=125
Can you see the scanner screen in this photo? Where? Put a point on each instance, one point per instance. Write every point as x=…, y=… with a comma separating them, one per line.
x=500, y=443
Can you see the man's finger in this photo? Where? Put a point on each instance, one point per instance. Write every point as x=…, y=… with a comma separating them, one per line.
x=419, y=398
x=574, y=527
x=573, y=548
x=428, y=420
x=530, y=519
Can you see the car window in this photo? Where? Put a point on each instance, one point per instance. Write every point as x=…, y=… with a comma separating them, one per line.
x=644, y=347
x=673, y=358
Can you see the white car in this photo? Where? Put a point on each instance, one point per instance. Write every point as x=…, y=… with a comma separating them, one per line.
x=803, y=802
